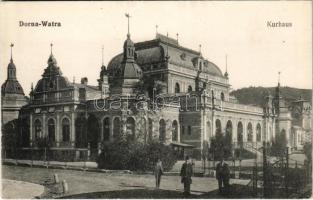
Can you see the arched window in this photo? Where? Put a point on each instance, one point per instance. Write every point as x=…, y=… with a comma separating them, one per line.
x=218, y=127
x=258, y=133
x=150, y=129
x=229, y=131
x=38, y=129
x=239, y=132
x=106, y=129
x=177, y=88
x=130, y=128
x=189, y=88
x=222, y=96
x=51, y=130
x=162, y=130
x=66, y=130
x=174, y=130
x=116, y=127
x=250, y=132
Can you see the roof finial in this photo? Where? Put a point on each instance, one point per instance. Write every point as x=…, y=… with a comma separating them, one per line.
x=226, y=73
x=128, y=16
x=177, y=37
x=32, y=87
x=73, y=79
x=279, y=78
x=12, y=45
x=51, y=45
x=200, y=48
x=102, y=54
x=156, y=29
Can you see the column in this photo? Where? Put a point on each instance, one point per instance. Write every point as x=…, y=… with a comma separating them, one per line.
x=234, y=132
x=101, y=129
x=244, y=130
x=73, y=129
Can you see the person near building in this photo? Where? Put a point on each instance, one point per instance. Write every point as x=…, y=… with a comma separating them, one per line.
x=158, y=172
x=223, y=175
x=186, y=173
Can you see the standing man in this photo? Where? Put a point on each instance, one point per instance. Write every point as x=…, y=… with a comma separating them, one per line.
x=158, y=172
x=186, y=173
x=223, y=175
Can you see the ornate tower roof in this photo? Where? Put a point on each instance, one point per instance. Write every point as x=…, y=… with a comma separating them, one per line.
x=11, y=85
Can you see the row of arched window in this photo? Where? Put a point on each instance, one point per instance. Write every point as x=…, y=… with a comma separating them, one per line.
x=229, y=129
x=177, y=88
x=65, y=129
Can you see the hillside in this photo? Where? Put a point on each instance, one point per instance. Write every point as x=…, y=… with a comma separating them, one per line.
x=256, y=95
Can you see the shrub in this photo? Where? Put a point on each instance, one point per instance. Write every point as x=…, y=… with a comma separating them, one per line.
x=135, y=156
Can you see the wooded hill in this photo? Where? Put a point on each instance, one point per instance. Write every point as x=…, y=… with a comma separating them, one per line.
x=256, y=95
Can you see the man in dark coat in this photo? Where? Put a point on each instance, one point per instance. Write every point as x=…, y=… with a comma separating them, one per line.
x=186, y=173
x=223, y=175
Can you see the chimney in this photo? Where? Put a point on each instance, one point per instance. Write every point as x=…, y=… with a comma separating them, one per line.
x=84, y=80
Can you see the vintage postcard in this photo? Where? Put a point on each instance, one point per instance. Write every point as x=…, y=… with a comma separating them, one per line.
x=161, y=100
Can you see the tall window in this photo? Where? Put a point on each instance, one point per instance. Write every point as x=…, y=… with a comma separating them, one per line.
x=250, y=132
x=162, y=130
x=177, y=88
x=38, y=129
x=66, y=130
x=174, y=130
x=222, y=96
x=116, y=127
x=51, y=130
x=239, y=133
x=218, y=127
x=130, y=127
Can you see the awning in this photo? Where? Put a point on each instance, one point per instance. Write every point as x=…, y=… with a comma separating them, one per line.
x=182, y=145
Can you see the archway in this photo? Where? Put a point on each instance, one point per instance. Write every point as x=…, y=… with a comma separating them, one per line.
x=177, y=88
x=174, y=130
x=162, y=130
x=250, y=132
x=106, y=129
x=240, y=133
x=218, y=127
x=189, y=88
x=93, y=131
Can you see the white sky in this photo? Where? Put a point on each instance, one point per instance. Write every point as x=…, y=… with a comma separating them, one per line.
x=239, y=29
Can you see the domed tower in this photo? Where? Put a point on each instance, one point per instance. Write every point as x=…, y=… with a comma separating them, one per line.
x=127, y=76
x=12, y=95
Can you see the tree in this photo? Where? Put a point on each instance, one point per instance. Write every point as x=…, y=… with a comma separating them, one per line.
x=307, y=149
x=221, y=146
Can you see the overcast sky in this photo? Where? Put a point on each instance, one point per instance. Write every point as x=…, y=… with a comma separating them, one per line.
x=255, y=51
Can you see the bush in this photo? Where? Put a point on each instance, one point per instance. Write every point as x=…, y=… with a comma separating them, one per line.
x=307, y=149
x=135, y=156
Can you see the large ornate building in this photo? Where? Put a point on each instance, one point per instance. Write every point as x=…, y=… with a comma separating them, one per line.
x=153, y=90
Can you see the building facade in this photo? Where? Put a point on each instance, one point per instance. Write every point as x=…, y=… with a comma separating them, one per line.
x=154, y=90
